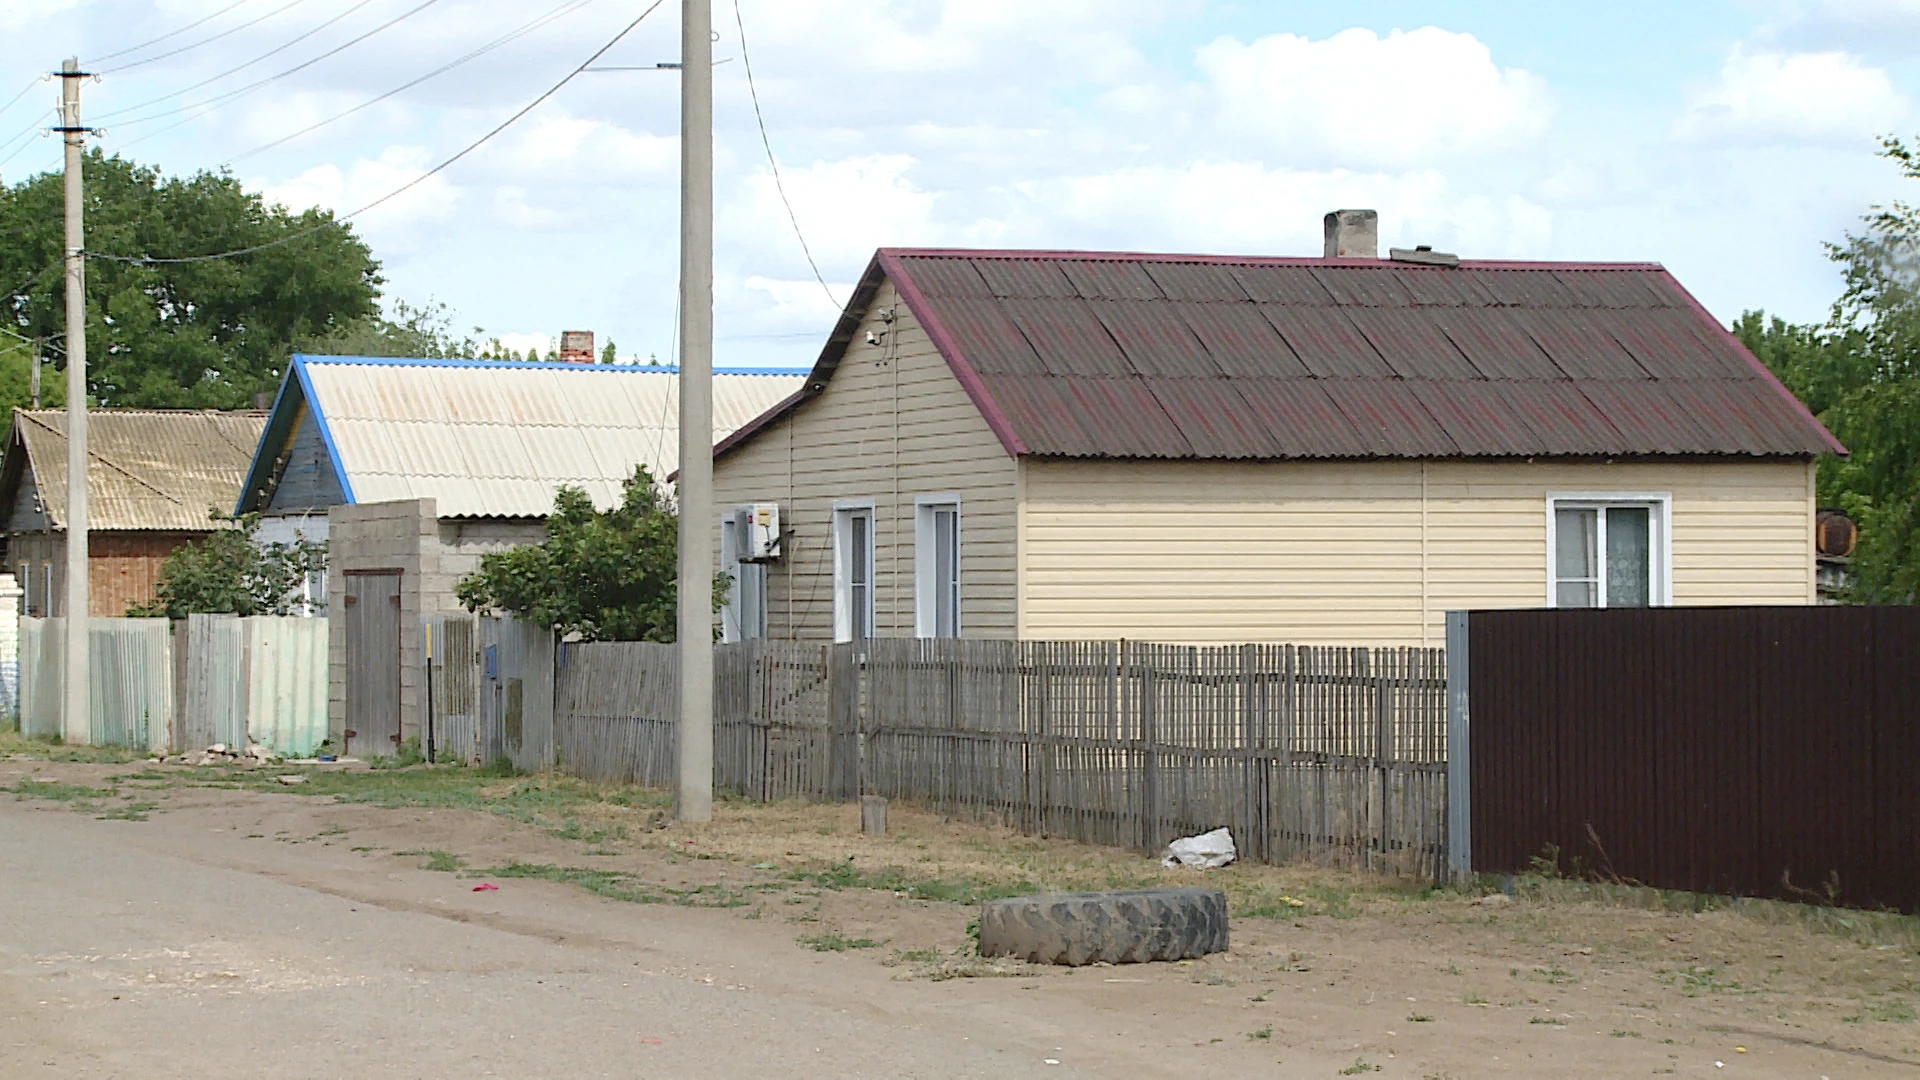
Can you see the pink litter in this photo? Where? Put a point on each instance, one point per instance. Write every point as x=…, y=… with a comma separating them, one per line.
x=486, y=886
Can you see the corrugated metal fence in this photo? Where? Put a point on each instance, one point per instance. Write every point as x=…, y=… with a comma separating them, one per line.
x=211, y=679
x=1754, y=751
x=1330, y=754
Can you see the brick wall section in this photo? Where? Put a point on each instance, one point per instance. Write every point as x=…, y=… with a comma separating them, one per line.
x=432, y=556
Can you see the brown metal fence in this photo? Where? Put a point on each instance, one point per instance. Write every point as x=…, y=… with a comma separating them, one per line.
x=1336, y=755
x=1753, y=751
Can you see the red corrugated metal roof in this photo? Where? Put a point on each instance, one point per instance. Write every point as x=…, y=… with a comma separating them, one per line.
x=1092, y=354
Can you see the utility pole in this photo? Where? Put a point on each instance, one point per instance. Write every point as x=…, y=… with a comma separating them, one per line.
x=74, y=725
x=33, y=378
x=695, y=629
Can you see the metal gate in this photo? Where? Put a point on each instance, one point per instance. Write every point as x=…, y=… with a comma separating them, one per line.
x=372, y=612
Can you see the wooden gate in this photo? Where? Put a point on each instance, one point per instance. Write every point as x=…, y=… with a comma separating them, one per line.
x=373, y=661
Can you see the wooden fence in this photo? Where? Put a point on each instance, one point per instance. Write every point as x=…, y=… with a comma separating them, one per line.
x=1328, y=754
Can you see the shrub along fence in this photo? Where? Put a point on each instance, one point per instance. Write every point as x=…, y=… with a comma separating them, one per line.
x=1336, y=755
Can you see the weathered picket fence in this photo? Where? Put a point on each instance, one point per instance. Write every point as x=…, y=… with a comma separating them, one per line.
x=1335, y=755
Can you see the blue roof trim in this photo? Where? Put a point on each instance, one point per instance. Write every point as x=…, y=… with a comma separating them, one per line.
x=548, y=365
x=326, y=433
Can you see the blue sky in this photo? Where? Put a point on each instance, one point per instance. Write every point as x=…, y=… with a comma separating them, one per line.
x=1728, y=139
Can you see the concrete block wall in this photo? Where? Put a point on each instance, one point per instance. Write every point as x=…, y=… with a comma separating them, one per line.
x=432, y=556
x=399, y=536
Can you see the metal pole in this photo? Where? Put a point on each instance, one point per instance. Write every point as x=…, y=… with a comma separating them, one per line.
x=34, y=378
x=695, y=629
x=74, y=723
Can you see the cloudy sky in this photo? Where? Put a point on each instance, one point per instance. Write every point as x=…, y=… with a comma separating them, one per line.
x=1728, y=139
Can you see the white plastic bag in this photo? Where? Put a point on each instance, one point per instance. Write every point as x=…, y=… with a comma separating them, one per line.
x=1203, y=852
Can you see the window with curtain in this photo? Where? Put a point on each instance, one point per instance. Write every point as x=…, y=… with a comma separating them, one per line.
x=1608, y=554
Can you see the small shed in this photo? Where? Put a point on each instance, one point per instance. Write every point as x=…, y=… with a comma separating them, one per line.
x=154, y=478
x=413, y=469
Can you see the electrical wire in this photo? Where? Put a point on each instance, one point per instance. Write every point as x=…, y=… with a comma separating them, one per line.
x=234, y=70
x=230, y=31
x=746, y=61
x=29, y=142
x=526, y=28
x=15, y=99
x=31, y=278
x=409, y=185
x=221, y=99
x=170, y=34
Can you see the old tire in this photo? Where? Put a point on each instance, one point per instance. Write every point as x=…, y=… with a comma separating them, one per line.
x=1113, y=927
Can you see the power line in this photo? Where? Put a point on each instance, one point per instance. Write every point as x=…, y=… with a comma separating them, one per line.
x=526, y=28
x=29, y=142
x=204, y=41
x=409, y=185
x=746, y=61
x=234, y=70
x=170, y=34
x=15, y=99
x=221, y=99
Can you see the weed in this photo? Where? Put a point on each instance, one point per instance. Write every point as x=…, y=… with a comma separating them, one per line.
x=1359, y=1066
x=1622, y=1033
x=1419, y=1018
x=1894, y=1011
x=1263, y=1033
x=1695, y=981
x=138, y=811
x=1259, y=997
x=1556, y=975
x=919, y=956
x=444, y=861
x=1548, y=1020
x=56, y=791
x=834, y=942
x=895, y=879
x=1211, y=978
x=52, y=749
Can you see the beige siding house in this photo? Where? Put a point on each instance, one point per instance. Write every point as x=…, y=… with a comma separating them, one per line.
x=1320, y=451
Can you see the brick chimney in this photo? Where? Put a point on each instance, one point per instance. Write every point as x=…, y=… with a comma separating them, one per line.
x=1353, y=234
x=576, y=347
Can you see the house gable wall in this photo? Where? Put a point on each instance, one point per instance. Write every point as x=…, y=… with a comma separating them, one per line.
x=308, y=481
x=891, y=425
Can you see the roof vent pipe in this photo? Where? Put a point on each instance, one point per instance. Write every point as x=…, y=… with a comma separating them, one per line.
x=1353, y=234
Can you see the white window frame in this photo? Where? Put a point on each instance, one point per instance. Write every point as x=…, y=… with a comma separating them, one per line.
x=1660, y=559
x=738, y=621
x=925, y=585
x=843, y=514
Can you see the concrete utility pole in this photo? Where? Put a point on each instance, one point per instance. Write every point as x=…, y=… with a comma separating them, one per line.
x=74, y=725
x=695, y=629
x=34, y=380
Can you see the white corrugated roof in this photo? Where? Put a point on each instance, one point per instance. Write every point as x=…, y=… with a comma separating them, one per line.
x=496, y=439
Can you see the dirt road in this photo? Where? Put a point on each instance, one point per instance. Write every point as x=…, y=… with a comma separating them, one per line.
x=246, y=933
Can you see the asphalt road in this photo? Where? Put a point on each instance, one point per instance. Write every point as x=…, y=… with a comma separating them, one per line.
x=150, y=949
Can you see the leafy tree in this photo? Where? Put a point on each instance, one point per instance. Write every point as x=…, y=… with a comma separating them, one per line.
x=606, y=576
x=608, y=354
x=1860, y=373
x=228, y=573
x=195, y=335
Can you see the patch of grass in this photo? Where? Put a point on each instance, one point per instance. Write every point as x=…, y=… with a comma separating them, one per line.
x=917, y=956
x=834, y=942
x=1622, y=1033
x=444, y=861
x=1359, y=1066
x=1556, y=975
x=1547, y=1020
x=1472, y=998
x=1419, y=1018
x=574, y=830
x=1695, y=981
x=1263, y=1033
x=899, y=880
x=1891, y=1011
x=52, y=749
x=617, y=885
x=132, y=811
x=57, y=791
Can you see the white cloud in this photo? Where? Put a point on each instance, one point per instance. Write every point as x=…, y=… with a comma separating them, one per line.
x=1248, y=208
x=20, y=13
x=845, y=208
x=520, y=343
x=1793, y=97
x=1355, y=98
x=397, y=221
